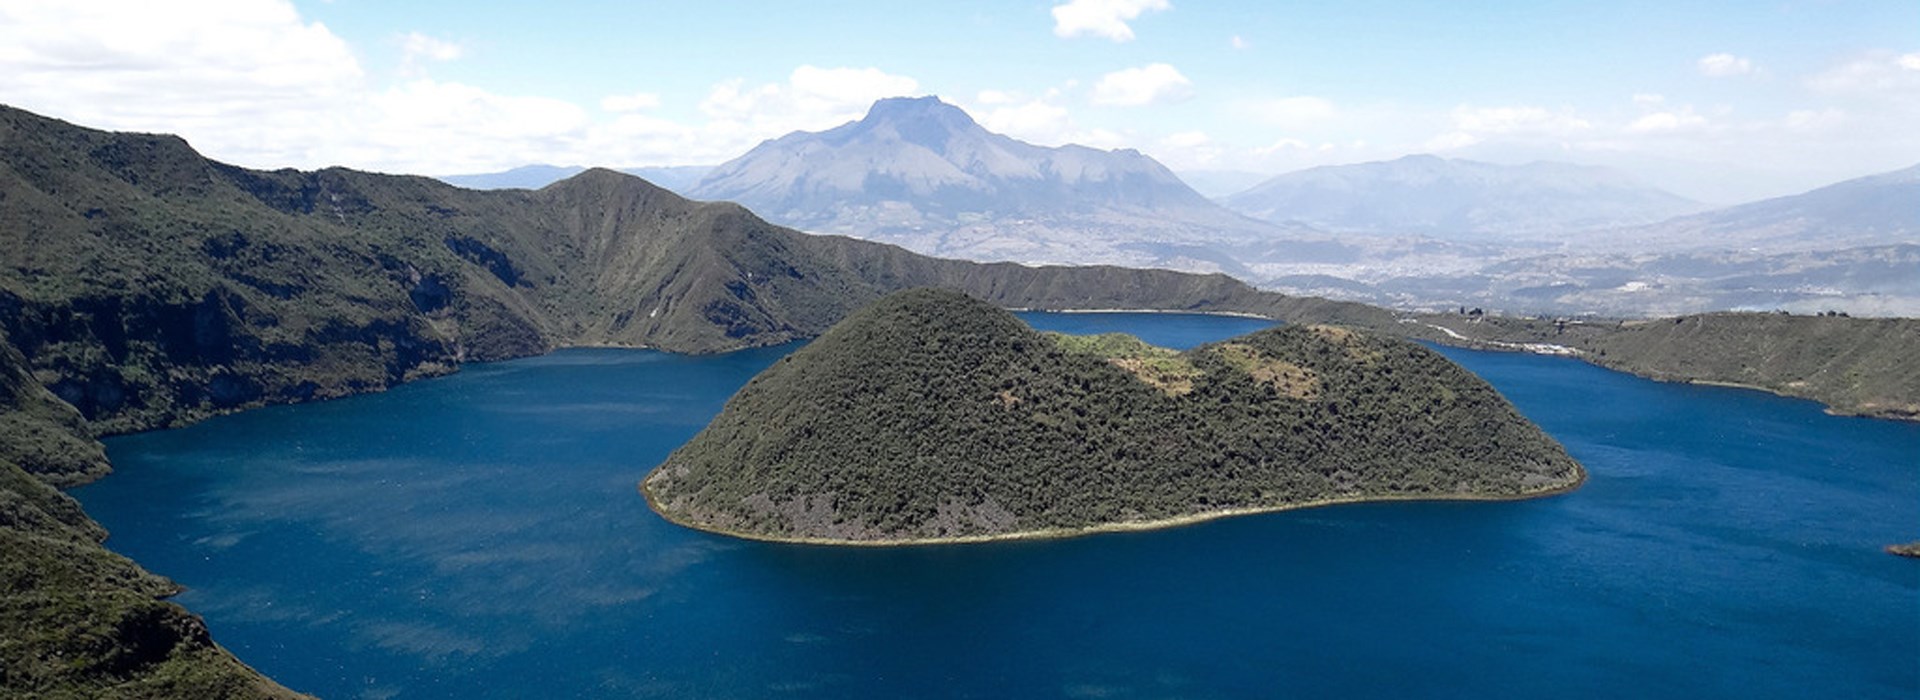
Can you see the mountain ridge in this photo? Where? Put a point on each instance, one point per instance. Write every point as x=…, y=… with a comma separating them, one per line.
x=923, y=174
x=1872, y=210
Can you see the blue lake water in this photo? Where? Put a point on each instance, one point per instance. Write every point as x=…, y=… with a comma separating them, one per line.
x=480, y=535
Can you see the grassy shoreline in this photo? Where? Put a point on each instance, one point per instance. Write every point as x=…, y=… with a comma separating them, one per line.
x=1102, y=528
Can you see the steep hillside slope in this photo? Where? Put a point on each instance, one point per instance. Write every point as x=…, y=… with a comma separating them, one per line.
x=78, y=621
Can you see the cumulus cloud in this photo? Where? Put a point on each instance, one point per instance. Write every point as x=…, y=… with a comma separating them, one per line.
x=1149, y=84
x=1039, y=121
x=252, y=82
x=416, y=46
x=1876, y=74
x=463, y=128
x=138, y=64
x=1724, y=65
x=1102, y=18
x=1043, y=120
x=812, y=98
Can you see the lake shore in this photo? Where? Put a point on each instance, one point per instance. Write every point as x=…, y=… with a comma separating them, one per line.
x=1102, y=528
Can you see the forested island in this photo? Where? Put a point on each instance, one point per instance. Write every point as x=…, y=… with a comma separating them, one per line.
x=931, y=416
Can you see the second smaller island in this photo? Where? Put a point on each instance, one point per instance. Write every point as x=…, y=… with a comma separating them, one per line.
x=930, y=416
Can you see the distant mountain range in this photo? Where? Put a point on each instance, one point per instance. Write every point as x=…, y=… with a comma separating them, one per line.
x=1877, y=210
x=1459, y=199
x=920, y=173
x=1853, y=246
x=1415, y=232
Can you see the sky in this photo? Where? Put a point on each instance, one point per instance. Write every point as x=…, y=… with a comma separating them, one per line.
x=1722, y=101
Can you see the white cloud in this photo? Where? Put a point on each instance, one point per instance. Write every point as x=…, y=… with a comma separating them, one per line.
x=251, y=82
x=1723, y=65
x=1039, y=121
x=463, y=128
x=1044, y=121
x=1298, y=112
x=93, y=59
x=416, y=46
x=1667, y=122
x=813, y=98
x=1102, y=18
x=1239, y=43
x=1877, y=74
x=634, y=102
x=238, y=77
x=1149, y=84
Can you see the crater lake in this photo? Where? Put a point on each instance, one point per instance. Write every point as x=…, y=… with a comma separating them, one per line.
x=480, y=535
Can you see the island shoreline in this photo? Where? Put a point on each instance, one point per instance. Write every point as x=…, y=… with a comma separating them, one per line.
x=1104, y=528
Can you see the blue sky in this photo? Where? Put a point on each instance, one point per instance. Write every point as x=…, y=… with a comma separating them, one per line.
x=1721, y=100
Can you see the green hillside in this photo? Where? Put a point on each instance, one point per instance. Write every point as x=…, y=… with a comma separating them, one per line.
x=932, y=415
x=78, y=621
x=1856, y=366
